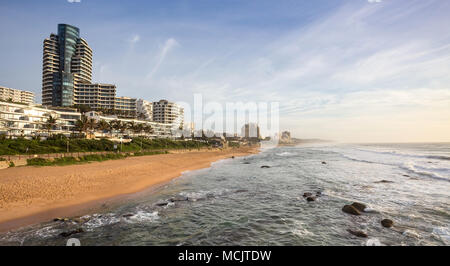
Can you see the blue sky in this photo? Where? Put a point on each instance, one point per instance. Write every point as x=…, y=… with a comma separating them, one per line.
x=356, y=70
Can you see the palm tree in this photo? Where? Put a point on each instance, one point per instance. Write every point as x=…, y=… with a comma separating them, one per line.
x=131, y=126
x=103, y=126
x=81, y=125
x=139, y=128
x=148, y=129
x=50, y=123
x=116, y=125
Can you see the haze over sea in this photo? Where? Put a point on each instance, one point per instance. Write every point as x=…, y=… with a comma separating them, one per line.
x=236, y=202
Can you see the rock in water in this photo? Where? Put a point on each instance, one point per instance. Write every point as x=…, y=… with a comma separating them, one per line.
x=350, y=210
x=179, y=198
x=265, y=166
x=312, y=198
x=232, y=157
x=307, y=194
x=384, y=181
x=359, y=206
x=387, y=223
x=66, y=234
x=324, y=162
x=245, y=163
x=357, y=233
x=127, y=215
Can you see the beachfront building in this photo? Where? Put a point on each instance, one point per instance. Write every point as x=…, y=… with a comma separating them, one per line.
x=16, y=96
x=158, y=130
x=30, y=120
x=96, y=96
x=144, y=109
x=67, y=62
x=168, y=113
x=126, y=106
x=251, y=130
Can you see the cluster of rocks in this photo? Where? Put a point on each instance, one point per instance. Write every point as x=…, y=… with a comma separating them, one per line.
x=79, y=220
x=69, y=233
x=357, y=208
x=311, y=197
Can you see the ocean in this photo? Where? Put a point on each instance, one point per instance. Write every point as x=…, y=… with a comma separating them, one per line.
x=236, y=202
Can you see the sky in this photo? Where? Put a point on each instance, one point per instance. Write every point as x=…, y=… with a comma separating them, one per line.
x=350, y=70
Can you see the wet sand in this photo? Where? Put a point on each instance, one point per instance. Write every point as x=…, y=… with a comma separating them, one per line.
x=30, y=195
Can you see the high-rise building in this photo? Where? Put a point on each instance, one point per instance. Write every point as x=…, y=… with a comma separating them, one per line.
x=144, y=109
x=67, y=62
x=251, y=130
x=168, y=113
x=17, y=96
x=126, y=105
x=96, y=96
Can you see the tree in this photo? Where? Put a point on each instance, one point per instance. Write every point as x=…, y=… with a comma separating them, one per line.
x=148, y=129
x=81, y=125
x=50, y=123
x=103, y=126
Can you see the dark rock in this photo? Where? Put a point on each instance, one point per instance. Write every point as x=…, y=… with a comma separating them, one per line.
x=77, y=231
x=58, y=220
x=384, y=181
x=350, y=210
x=232, y=157
x=161, y=204
x=179, y=198
x=319, y=193
x=241, y=190
x=357, y=233
x=387, y=223
x=265, y=166
x=127, y=215
x=312, y=198
x=324, y=162
x=406, y=175
x=245, y=163
x=359, y=206
x=307, y=194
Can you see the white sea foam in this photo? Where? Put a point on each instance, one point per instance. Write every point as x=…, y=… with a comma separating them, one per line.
x=442, y=233
x=143, y=217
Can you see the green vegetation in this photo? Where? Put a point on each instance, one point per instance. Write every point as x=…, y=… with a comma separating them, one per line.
x=86, y=158
x=59, y=144
x=73, y=160
x=11, y=164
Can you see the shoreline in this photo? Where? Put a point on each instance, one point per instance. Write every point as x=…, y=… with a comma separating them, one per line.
x=30, y=195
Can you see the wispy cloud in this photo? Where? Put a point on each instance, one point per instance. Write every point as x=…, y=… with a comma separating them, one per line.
x=167, y=47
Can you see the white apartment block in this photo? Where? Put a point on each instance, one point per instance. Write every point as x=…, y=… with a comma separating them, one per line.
x=29, y=120
x=159, y=130
x=168, y=113
x=18, y=96
x=144, y=109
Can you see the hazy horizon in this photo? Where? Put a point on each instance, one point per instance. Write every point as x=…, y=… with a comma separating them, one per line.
x=349, y=71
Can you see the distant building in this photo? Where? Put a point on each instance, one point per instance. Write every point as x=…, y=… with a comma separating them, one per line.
x=285, y=136
x=29, y=120
x=251, y=130
x=17, y=96
x=168, y=113
x=96, y=96
x=159, y=130
x=144, y=110
x=126, y=105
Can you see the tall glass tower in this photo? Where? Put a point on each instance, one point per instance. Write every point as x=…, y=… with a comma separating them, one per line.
x=67, y=59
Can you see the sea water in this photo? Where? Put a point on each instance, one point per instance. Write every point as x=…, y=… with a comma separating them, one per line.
x=236, y=202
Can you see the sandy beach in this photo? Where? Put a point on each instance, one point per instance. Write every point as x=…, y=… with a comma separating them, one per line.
x=34, y=194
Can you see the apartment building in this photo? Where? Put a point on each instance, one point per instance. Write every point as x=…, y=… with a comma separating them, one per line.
x=126, y=105
x=96, y=95
x=159, y=130
x=168, y=113
x=17, y=96
x=144, y=110
x=29, y=120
